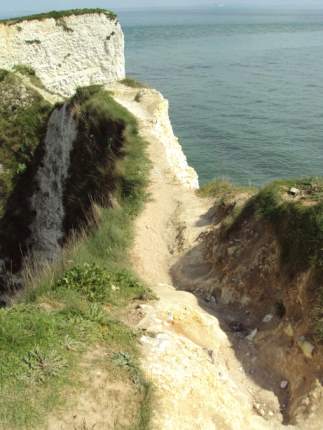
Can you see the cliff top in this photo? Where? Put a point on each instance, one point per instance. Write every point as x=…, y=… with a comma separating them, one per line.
x=58, y=15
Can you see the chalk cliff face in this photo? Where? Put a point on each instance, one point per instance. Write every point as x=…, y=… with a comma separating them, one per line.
x=66, y=53
x=160, y=130
x=177, y=160
x=47, y=202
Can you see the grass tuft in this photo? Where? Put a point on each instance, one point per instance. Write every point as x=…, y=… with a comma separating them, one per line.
x=58, y=15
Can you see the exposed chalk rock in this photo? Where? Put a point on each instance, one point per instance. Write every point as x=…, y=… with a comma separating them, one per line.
x=267, y=318
x=306, y=347
x=289, y=331
x=252, y=335
x=294, y=191
x=47, y=202
x=160, y=128
x=283, y=385
x=68, y=53
x=176, y=158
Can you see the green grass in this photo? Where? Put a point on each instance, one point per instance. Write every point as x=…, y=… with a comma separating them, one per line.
x=73, y=306
x=30, y=73
x=297, y=222
x=57, y=15
x=40, y=354
x=220, y=188
x=107, y=159
x=216, y=188
x=23, y=118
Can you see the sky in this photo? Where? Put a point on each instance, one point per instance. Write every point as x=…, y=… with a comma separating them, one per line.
x=27, y=6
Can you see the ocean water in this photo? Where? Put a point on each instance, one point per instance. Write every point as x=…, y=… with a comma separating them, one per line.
x=245, y=88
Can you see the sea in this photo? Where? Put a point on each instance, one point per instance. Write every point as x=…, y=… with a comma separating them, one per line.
x=245, y=87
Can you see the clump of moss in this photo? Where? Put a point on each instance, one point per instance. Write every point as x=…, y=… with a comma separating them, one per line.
x=30, y=73
x=58, y=15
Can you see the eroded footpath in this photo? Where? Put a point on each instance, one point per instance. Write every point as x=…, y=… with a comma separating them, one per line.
x=198, y=378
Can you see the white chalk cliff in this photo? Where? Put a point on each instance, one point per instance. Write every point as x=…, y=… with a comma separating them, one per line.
x=66, y=53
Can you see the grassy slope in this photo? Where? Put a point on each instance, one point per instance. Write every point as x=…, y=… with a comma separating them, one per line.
x=59, y=15
x=219, y=189
x=23, y=118
x=75, y=305
x=298, y=222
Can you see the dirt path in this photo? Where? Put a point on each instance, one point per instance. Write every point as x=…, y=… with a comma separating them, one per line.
x=200, y=383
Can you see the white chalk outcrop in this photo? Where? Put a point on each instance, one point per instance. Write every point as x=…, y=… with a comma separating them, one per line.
x=175, y=156
x=66, y=53
x=152, y=108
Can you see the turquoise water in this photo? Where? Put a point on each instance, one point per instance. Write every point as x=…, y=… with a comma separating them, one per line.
x=246, y=89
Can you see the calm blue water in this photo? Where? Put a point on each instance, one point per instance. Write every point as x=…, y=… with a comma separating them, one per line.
x=246, y=89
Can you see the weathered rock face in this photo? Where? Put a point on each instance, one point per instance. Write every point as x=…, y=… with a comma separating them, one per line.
x=68, y=52
x=47, y=202
x=161, y=130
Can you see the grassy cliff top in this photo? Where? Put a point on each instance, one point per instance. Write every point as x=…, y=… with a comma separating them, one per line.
x=59, y=15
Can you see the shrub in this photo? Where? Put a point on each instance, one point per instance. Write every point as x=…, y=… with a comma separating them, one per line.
x=98, y=285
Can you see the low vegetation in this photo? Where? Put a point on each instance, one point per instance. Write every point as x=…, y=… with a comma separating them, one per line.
x=30, y=73
x=297, y=220
x=58, y=15
x=107, y=157
x=23, y=120
x=74, y=306
x=218, y=188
